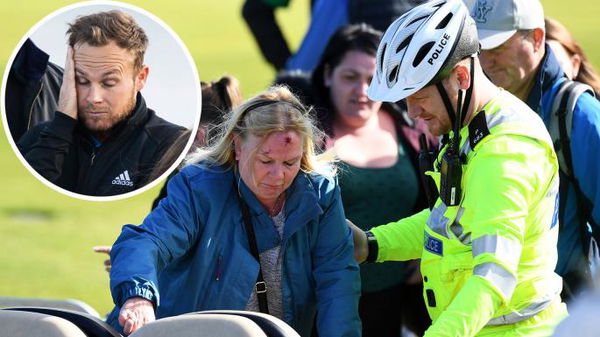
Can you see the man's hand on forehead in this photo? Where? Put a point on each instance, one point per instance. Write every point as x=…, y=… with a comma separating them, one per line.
x=67, y=100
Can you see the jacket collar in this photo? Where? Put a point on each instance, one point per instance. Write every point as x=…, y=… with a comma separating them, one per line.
x=301, y=204
x=547, y=74
x=124, y=128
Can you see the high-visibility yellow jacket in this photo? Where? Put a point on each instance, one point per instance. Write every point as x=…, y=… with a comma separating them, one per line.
x=489, y=261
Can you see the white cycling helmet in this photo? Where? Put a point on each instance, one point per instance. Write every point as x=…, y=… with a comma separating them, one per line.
x=421, y=47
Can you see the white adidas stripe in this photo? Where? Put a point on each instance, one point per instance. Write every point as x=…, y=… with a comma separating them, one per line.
x=123, y=179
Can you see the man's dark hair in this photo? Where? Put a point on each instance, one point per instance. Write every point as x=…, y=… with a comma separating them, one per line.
x=99, y=29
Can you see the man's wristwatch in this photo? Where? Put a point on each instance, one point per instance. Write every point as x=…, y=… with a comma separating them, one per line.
x=372, y=247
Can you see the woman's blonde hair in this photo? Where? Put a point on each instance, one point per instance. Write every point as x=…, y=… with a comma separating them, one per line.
x=274, y=110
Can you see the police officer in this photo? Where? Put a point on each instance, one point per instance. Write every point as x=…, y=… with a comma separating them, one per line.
x=488, y=243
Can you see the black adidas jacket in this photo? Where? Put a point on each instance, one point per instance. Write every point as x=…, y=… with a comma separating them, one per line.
x=64, y=153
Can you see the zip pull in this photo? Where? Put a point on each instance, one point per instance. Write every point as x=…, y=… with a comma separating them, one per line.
x=93, y=157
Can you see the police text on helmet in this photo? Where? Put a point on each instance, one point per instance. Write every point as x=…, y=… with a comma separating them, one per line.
x=440, y=48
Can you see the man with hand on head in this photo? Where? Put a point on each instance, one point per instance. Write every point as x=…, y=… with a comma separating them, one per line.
x=103, y=140
x=516, y=57
x=488, y=244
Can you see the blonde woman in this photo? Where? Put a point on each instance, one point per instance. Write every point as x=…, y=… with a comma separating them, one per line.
x=192, y=252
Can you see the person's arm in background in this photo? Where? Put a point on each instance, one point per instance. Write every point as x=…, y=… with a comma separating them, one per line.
x=260, y=18
x=32, y=89
x=104, y=250
x=141, y=252
x=46, y=150
x=327, y=17
x=336, y=273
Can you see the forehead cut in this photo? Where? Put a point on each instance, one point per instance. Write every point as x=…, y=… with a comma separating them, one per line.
x=285, y=141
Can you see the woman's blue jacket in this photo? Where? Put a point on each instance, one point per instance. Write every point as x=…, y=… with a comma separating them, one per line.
x=191, y=253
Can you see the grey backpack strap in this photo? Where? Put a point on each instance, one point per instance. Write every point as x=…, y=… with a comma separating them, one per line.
x=561, y=121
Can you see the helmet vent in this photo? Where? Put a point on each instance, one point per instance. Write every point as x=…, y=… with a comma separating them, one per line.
x=421, y=53
x=404, y=43
x=444, y=22
x=381, y=57
x=393, y=74
x=417, y=19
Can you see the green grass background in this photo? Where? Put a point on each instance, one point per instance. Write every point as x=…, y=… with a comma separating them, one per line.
x=51, y=256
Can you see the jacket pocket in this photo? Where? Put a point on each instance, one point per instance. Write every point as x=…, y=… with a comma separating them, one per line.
x=443, y=278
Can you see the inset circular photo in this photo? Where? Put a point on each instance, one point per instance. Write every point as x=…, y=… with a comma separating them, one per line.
x=100, y=100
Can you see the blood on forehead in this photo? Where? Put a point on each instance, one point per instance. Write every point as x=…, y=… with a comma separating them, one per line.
x=286, y=138
x=280, y=140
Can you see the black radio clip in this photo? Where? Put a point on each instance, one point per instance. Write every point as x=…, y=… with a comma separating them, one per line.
x=451, y=164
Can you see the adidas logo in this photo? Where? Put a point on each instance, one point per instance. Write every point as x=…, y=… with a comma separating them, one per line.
x=123, y=179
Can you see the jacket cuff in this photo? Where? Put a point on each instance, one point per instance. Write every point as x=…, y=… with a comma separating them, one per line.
x=61, y=126
x=381, y=248
x=372, y=247
x=139, y=290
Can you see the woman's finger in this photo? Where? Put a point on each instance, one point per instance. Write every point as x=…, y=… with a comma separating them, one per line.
x=102, y=249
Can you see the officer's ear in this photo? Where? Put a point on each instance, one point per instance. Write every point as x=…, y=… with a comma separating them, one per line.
x=141, y=77
x=461, y=72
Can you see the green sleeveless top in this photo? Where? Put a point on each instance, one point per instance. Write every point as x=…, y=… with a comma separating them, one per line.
x=376, y=196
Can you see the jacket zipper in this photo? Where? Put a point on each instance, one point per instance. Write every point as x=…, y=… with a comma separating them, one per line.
x=85, y=176
x=219, y=265
x=285, y=281
x=93, y=157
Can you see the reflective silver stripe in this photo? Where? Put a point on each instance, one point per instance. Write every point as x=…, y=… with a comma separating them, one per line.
x=457, y=229
x=459, y=214
x=529, y=311
x=498, y=276
x=504, y=115
x=518, y=316
x=466, y=148
x=519, y=113
x=504, y=249
x=437, y=222
x=553, y=190
x=492, y=120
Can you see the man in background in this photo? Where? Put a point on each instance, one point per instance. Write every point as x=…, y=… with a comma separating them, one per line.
x=515, y=56
x=102, y=140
